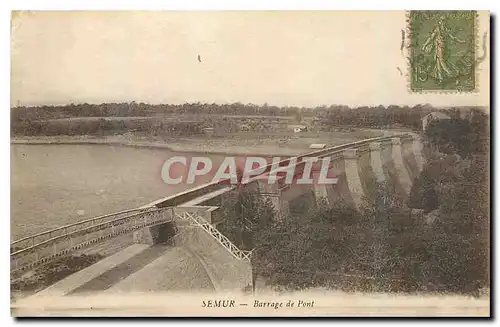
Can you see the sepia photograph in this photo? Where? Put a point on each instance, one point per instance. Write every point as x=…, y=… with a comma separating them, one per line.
x=250, y=163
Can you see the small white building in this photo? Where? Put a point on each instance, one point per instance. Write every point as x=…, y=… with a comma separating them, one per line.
x=436, y=115
x=209, y=131
x=298, y=128
x=317, y=146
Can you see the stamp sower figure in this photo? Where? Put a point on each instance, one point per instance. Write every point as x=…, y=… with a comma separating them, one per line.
x=436, y=43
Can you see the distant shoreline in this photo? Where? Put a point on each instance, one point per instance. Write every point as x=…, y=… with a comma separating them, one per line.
x=248, y=144
x=174, y=146
x=49, y=140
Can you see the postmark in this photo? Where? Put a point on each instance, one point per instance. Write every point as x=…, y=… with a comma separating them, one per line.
x=442, y=51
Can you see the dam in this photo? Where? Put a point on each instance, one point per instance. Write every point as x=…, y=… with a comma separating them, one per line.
x=174, y=243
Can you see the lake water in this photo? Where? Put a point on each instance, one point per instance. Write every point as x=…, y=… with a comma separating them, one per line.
x=53, y=185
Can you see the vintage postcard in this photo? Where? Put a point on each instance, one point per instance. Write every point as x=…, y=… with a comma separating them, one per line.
x=250, y=163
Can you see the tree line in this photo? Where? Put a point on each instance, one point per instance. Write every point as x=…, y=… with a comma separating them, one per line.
x=103, y=127
x=22, y=118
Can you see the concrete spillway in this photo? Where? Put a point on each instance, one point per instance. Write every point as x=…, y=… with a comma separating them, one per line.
x=175, y=270
x=138, y=268
x=195, y=263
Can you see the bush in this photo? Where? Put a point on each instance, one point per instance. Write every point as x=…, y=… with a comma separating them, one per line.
x=245, y=215
x=382, y=247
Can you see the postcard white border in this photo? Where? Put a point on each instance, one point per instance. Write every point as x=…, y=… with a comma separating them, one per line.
x=7, y=6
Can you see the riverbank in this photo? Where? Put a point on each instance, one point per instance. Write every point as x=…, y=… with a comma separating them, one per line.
x=186, y=146
x=288, y=144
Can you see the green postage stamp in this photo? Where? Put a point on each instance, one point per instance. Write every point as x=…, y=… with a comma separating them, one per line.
x=442, y=50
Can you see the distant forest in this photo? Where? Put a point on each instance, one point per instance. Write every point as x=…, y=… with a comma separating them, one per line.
x=39, y=120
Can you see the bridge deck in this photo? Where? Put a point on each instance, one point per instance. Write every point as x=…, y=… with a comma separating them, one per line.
x=209, y=196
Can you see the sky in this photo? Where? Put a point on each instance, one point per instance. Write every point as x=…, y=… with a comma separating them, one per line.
x=278, y=58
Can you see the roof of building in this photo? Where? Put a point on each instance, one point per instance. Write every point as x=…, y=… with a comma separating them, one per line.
x=436, y=114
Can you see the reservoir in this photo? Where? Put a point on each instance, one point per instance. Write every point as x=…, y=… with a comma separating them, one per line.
x=54, y=185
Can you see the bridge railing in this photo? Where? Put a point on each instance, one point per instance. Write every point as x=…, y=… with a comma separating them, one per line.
x=36, y=238
x=331, y=150
x=43, y=247
x=199, y=221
